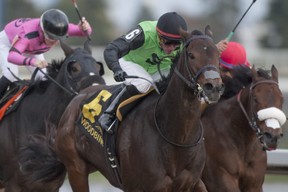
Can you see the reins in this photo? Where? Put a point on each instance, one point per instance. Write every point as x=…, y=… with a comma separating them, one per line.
x=193, y=77
x=174, y=143
x=69, y=90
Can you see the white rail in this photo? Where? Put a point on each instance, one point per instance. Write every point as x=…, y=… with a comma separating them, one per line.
x=278, y=162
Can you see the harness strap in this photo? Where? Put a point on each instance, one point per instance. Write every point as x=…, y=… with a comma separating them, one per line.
x=253, y=125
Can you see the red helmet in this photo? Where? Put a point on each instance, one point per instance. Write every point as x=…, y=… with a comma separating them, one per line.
x=168, y=26
x=234, y=55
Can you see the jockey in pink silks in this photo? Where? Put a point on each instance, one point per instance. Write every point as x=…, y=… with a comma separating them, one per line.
x=24, y=40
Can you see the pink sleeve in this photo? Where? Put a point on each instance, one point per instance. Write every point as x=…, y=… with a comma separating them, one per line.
x=16, y=54
x=75, y=30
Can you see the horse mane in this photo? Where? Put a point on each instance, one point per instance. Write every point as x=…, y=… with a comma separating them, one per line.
x=264, y=73
x=196, y=32
x=242, y=77
x=162, y=84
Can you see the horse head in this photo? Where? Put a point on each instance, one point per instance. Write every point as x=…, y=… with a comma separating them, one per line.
x=82, y=70
x=266, y=101
x=201, y=65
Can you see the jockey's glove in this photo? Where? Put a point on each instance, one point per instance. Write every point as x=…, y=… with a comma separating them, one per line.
x=41, y=64
x=119, y=75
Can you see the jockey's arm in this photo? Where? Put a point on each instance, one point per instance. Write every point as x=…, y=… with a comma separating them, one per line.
x=122, y=46
x=16, y=56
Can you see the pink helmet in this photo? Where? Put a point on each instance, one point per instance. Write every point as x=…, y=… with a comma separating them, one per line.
x=234, y=55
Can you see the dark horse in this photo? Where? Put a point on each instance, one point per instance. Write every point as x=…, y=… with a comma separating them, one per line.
x=43, y=106
x=159, y=144
x=239, y=130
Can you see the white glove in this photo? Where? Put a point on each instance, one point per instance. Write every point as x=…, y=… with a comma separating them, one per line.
x=41, y=64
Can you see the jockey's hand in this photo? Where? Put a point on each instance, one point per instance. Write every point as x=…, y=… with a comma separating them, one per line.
x=119, y=75
x=222, y=45
x=41, y=64
x=84, y=25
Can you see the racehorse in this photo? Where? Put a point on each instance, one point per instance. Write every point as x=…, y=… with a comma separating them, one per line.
x=159, y=145
x=42, y=106
x=239, y=130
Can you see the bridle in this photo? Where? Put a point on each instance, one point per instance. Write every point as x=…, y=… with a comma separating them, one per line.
x=191, y=81
x=69, y=82
x=253, y=120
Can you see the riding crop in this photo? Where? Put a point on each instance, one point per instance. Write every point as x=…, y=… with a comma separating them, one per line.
x=78, y=13
x=232, y=32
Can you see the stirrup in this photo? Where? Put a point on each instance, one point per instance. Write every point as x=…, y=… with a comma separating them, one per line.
x=106, y=122
x=109, y=129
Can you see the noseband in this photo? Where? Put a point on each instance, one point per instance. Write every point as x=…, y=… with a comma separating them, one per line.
x=193, y=77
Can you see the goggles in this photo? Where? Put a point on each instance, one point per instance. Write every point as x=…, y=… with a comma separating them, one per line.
x=169, y=42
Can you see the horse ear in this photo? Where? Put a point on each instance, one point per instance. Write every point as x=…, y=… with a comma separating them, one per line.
x=274, y=73
x=87, y=47
x=208, y=31
x=183, y=34
x=254, y=72
x=67, y=50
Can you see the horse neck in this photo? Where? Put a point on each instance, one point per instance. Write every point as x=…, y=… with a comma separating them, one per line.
x=58, y=97
x=179, y=110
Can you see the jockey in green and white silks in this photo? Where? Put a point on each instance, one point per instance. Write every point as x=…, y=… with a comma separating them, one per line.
x=148, y=56
x=138, y=53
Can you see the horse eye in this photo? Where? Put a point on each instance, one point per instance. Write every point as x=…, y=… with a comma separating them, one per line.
x=255, y=99
x=191, y=56
x=74, y=68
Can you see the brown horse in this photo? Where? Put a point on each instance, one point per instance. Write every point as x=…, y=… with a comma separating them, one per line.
x=239, y=130
x=43, y=105
x=156, y=147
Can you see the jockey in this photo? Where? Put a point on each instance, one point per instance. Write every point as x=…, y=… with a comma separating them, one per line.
x=234, y=68
x=234, y=55
x=151, y=45
x=23, y=42
x=139, y=52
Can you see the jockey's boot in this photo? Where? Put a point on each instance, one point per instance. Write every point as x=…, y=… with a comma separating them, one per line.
x=109, y=116
x=4, y=84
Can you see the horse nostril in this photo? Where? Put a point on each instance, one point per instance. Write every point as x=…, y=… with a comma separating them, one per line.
x=208, y=87
x=221, y=88
x=267, y=135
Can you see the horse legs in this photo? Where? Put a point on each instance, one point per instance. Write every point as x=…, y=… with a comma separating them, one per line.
x=200, y=187
x=78, y=176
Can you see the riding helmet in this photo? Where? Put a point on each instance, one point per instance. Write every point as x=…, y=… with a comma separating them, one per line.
x=54, y=23
x=234, y=55
x=168, y=26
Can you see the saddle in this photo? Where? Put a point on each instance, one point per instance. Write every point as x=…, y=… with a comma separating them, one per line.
x=13, y=97
x=93, y=107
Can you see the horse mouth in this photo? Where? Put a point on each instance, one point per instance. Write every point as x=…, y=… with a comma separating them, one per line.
x=269, y=142
x=211, y=94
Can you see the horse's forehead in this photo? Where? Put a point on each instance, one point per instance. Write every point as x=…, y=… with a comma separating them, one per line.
x=268, y=94
x=82, y=56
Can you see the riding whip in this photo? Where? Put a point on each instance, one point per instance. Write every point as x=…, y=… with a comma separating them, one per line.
x=232, y=32
x=78, y=13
